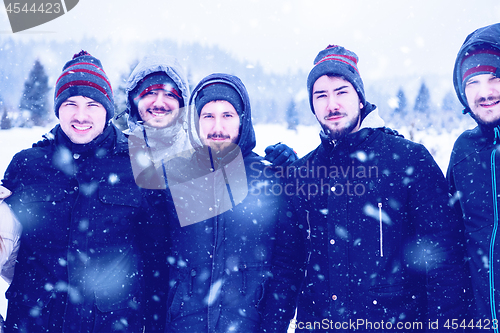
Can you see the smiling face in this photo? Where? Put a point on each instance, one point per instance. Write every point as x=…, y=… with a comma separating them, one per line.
x=483, y=96
x=337, y=106
x=219, y=125
x=82, y=119
x=159, y=108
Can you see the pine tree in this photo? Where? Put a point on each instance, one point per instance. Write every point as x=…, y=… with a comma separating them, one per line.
x=422, y=102
x=5, y=123
x=402, y=102
x=35, y=95
x=450, y=102
x=292, y=116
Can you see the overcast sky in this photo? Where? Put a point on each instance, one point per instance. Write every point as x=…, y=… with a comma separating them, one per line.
x=391, y=37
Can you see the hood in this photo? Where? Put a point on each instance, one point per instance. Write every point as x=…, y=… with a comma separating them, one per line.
x=151, y=64
x=486, y=35
x=247, y=135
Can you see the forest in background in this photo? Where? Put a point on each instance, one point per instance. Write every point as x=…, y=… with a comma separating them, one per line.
x=28, y=72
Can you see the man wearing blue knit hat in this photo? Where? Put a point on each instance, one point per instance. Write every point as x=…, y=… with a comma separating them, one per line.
x=79, y=265
x=366, y=240
x=474, y=168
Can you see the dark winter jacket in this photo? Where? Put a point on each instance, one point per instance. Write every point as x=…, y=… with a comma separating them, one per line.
x=472, y=174
x=218, y=265
x=365, y=235
x=81, y=213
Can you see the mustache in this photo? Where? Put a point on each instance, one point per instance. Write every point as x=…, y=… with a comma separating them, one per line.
x=218, y=136
x=334, y=114
x=481, y=100
x=157, y=109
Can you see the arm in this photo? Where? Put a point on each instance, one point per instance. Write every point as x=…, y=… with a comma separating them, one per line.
x=440, y=232
x=288, y=266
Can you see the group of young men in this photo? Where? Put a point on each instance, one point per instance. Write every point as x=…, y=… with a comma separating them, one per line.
x=177, y=225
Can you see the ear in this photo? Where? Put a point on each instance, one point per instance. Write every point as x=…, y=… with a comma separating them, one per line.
x=360, y=106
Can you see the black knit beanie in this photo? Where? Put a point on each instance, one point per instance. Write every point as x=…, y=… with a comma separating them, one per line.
x=336, y=60
x=84, y=76
x=218, y=92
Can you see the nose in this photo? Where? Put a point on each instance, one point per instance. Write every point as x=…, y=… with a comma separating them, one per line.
x=218, y=126
x=332, y=104
x=80, y=113
x=159, y=99
x=485, y=89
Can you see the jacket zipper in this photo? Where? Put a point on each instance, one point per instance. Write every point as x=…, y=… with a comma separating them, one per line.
x=381, y=231
x=495, y=228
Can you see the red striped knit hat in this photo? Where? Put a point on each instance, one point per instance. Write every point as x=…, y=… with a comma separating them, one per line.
x=84, y=76
x=482, y=59
x=336, y=60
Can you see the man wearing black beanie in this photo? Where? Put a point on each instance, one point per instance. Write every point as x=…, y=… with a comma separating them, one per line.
x=222, y=215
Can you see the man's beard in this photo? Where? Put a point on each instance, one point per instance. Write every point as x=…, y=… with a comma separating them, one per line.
x=481, y=122
x=340, y=132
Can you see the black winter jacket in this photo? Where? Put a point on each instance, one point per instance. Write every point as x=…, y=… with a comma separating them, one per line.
x=365, y=236
x=81, y=213
x=472, y=174
x=219, y=262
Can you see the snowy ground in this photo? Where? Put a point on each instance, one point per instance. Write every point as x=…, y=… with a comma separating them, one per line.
x=303, y=140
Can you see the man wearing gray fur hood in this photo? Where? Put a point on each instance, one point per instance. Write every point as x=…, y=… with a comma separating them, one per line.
x=157, y=96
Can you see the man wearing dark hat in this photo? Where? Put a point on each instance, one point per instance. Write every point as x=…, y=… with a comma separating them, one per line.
x=474, y=167
x=365, y=240
x=222, y=216
x=79, y=265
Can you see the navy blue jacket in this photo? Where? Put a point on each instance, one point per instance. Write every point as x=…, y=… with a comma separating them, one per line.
x=81, y=214
x=218, y=266
x=472, y=174
x=365, y=233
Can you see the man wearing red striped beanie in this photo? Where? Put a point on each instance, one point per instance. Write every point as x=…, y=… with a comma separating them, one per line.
x=366, y=240
x=474, y=168
x=79, y=268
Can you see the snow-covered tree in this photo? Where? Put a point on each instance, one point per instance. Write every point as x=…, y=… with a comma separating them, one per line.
x=35, y=95
x=5, y=123
x=402, y=104
x=423, y=100
x=450, y=102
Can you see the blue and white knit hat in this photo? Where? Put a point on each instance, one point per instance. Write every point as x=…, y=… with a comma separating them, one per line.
x=336, y=60
x=84, y=76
